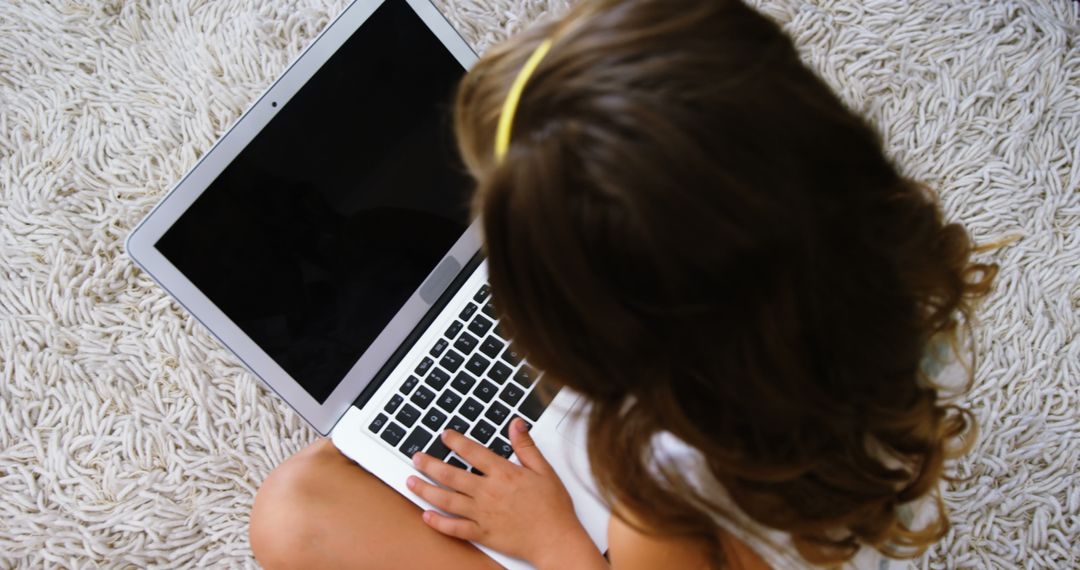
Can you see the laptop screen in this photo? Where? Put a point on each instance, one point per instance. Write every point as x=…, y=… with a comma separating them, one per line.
x=318, y=232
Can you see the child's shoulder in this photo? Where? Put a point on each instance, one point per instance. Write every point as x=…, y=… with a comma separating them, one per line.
x=774, y=547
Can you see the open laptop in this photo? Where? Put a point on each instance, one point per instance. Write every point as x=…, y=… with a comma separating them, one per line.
x=325, y=239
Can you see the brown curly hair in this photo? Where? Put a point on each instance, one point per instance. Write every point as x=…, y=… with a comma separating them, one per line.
x=692, y=230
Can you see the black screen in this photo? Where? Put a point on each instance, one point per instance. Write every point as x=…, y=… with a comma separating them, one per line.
x=319, y=231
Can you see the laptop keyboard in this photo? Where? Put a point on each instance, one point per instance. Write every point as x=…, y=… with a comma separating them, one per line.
x=471, y=381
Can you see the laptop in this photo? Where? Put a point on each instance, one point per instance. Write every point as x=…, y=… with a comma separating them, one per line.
x=325, y=239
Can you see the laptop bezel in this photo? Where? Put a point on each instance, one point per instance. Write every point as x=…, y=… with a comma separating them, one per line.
x=140, y=242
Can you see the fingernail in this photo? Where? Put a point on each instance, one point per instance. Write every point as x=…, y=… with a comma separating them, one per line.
x=427, y=516
x=410, y=482
x=519, y=424
x=416, y=459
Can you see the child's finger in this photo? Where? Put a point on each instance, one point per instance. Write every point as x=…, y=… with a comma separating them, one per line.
x=464, y=529
x=445, y=474
x=477, y=455
x=525, y=447
x=449, y=501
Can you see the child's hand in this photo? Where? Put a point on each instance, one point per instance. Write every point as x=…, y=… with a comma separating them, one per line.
x=523, y=511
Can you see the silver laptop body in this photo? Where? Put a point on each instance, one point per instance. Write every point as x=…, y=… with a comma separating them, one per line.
x=314, y=241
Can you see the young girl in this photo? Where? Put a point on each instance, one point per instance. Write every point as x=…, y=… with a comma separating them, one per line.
x=685, y=225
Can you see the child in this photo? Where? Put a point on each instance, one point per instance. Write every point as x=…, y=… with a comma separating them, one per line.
x=685, y=225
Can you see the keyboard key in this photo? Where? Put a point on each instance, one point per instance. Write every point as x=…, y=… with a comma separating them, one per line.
x=377, y=424
x=438, y=449
x=452, y=361
x=416, y=441
x=463, y=382
x=393, y=434
x=459, y=425
x=489, y=310
x=511, y=394
x=424, y=366
x=466, y=343
x=409, y=384
x=423, y=397
x=526, y=376
x=492, y=346
x=467, y=312
x=437, y=379
x=480, y=326
x=485, y=391
x=476, y=471
x=457, y=463
x=439, y=347
x=477, y=364
x=512, y=356
x=502, y=448
x=497, y=413
x=408, y=415
x=454, y=328
x=434, y=419
x=500, y=372
x=506, y=428
x=482, y=431
x=471, y=409
x=533, y=405
x=393, y=404
x=449, y=401
x=482, y=294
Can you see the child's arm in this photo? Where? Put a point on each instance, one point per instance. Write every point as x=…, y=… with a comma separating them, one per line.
x=631, y=549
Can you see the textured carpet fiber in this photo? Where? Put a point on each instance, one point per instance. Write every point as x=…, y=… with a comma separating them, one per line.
x=130, y=438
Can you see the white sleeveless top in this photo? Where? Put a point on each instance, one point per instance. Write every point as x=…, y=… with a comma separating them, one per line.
x=775, y=547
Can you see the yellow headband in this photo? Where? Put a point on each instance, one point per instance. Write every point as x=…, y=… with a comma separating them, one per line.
x=506, y=119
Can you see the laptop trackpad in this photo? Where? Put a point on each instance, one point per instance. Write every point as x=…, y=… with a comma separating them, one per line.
x=572, y=425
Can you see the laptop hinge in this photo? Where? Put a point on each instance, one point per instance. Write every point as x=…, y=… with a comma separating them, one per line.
x=418, y=330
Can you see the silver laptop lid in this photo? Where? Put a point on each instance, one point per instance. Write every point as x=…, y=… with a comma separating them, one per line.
x=304, y=238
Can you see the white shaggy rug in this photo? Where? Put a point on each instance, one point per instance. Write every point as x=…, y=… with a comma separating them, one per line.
x=130, y=438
